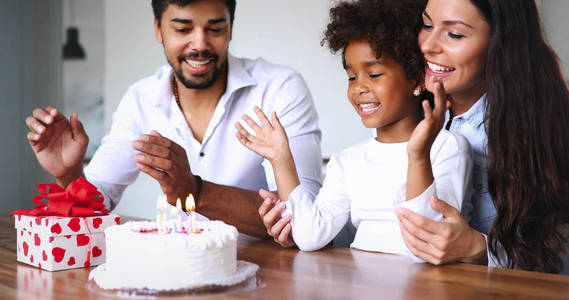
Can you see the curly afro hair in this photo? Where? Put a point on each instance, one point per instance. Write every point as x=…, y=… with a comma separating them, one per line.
x=389, y=26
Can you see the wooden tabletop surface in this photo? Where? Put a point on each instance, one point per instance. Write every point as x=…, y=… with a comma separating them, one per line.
x=332, y=273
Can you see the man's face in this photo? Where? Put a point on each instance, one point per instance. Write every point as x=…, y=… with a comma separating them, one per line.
x=195, y=39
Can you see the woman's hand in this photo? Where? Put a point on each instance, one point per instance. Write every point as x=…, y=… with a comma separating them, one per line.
x=442, y=242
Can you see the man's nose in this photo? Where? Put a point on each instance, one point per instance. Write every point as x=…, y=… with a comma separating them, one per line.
x=198, y=41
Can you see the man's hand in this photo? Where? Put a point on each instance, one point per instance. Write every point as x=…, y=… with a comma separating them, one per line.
x=59, y=144
x=442, y=242
x=277, y=227
x=166, y=162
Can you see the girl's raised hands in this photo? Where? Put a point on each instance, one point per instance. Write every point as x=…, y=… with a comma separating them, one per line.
x=424, y=135
x=269, y=141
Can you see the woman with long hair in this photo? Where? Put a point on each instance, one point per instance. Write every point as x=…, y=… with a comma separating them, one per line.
x=510, y=100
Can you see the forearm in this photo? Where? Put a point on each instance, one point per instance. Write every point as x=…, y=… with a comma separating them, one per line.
x=286, y=176
x=419, y=176
x=232, y=205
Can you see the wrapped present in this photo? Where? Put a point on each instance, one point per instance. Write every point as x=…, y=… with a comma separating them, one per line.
x=68, y=231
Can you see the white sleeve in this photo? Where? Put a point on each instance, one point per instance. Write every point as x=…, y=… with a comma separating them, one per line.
x=452, y=169
x=297, y=114
x=113, y=168
x=315, y=222
x=493, y=260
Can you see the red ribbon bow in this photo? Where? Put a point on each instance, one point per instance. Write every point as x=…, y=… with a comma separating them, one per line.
x=77, y=200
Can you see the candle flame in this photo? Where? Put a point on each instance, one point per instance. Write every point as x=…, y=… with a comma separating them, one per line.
x=173, y=212
x=179, y=204
x=190, y=203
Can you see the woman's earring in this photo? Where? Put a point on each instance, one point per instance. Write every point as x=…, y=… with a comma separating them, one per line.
x=417, y=92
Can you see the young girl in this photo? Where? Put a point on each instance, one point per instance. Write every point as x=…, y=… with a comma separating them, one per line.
x=408, y=162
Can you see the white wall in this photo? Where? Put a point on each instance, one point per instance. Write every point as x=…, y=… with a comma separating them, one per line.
x=83, y=78
x=556, y=25
x=30, y=57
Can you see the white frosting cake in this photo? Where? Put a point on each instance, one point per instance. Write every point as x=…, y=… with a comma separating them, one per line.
x=140, y=258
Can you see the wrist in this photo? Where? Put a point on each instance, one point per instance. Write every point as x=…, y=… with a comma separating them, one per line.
x=66, y=179
x=478, y=254
x=282, y=159
x=418, y=158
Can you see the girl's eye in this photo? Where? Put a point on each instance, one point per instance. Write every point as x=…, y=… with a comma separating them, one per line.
x=351, y=78
x=455, y=36
x=216, y=30
x=181, y=30
x=427, y=26
x=375, y=75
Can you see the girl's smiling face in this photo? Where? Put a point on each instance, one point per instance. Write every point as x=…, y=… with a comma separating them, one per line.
x=380, y=92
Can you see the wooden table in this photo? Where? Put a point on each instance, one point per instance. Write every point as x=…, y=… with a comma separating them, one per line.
x=333, y=273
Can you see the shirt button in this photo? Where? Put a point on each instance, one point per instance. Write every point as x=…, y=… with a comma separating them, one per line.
x=202, y=154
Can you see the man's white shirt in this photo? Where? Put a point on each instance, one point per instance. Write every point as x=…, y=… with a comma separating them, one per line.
x=150, y=105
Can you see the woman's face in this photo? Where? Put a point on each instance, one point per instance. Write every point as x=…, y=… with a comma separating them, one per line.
x=379, y=91
x=454, y=40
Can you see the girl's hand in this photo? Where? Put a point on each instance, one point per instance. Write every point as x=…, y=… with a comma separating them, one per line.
x=278, y=227
x=424, y=135
x=269, y=141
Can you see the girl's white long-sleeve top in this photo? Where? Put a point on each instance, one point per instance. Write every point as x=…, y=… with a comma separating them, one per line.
x=367, y=182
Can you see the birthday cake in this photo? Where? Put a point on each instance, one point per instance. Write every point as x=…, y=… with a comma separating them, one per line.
x=143, y=255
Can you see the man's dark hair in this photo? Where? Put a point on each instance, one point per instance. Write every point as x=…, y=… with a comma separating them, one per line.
x=159, y=6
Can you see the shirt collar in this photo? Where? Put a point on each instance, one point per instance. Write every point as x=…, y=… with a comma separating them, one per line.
x=474, y=115
x=237, y=75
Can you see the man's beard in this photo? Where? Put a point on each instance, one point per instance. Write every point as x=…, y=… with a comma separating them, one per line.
x=203, y=81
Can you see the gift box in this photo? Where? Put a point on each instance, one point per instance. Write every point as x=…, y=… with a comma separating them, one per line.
x=68, y=231
x=57, y=243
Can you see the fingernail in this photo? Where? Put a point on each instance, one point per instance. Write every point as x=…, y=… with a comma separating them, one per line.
x=267, y=201
x=145, y=138
x=398, y=211
x=139, y=157
x=282, y=205
x=48, y=119
x=137, y=144
x=288, y=217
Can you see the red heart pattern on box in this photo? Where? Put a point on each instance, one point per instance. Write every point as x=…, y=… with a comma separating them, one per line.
x=60, y=243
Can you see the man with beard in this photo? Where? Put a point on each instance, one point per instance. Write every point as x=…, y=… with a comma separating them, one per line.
x=177, y=126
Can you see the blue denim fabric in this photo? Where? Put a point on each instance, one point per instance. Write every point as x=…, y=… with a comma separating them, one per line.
x=471, y=125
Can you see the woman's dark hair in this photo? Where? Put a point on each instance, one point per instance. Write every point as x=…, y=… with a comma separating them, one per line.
x=159, y=6
x=527, y=121
x=389, y=26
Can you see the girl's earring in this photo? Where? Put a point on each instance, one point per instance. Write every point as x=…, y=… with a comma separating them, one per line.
x=417, y=92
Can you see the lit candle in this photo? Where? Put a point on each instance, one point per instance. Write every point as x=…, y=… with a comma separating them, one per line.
x=191, y=206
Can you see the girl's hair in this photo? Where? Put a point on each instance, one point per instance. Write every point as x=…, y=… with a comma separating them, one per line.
x=389, y=26
x=527, y=121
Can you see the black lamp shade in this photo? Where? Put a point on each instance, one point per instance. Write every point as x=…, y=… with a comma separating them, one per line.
x=72, y=49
